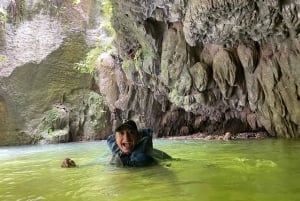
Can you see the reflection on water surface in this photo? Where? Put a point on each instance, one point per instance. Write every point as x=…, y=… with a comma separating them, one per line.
x=263, y=170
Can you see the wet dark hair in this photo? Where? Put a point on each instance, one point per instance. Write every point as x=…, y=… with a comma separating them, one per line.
x=68, y=163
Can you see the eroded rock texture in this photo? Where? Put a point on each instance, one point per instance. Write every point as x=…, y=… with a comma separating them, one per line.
x=207, y=66
x=43, y=98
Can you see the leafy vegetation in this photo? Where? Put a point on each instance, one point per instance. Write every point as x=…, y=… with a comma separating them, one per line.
x=137, y=62
x=88, y=64
x=138, y=58
x=96, y=105
x=2, y=58
x=175, y=98
x=96, y=102
x=50, y=118
x=106, y=9
x=76, y=1
x=3, y=16
x=128, y=66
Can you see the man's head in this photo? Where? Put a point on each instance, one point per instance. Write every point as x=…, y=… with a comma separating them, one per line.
x=127, y=136
x=68, y=163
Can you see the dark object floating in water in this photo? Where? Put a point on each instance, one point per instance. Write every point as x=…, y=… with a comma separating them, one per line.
x=68, y=163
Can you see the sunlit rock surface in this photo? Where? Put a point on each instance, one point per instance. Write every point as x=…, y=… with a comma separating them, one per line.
x=43, y=99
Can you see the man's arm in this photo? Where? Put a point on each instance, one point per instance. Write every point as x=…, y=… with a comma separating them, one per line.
x=141, y=155
x=115, y=159
x=111, y=142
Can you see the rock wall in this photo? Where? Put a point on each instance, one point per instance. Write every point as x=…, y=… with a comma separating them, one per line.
x=180, y=67
x=43, y=98
x=207, y=66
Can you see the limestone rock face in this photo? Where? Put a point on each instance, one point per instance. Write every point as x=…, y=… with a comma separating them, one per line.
x=209, y=66
x=43, y=98
x=181, y=67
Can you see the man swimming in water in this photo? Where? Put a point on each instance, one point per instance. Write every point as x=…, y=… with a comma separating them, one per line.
x=130, y=146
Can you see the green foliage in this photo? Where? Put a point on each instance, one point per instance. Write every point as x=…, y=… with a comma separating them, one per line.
x=95, y=123
x=138, y=59
x=137, y=62
x=148, y=52
x=175, y=98
x=96, y=105
x=88, y=65
x=49, y=120
x=145, y=43
x=2, y=58
x=128, y=66
x=52, y=116
x=109, y=29
x=145, y=49
x=106, y=9
x=141, y=55
x=76, y=1
x=3, y=16
x=50, y=131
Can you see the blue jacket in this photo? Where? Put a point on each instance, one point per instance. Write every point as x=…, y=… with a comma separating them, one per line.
x=141, y=155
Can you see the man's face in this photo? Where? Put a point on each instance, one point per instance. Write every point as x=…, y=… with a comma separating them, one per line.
x=126, y=140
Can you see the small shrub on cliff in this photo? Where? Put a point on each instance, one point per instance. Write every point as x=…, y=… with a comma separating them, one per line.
x=96, y=107
x=88, y=65
x=104, y=44
x=50, y=118
x=96, y=103
x=131, y=65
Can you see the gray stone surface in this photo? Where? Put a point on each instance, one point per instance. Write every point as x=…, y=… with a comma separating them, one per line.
x=216, y=66
x=180, y=67
x=43, y=40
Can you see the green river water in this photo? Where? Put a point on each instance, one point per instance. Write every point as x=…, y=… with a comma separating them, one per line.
x=254, y=170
